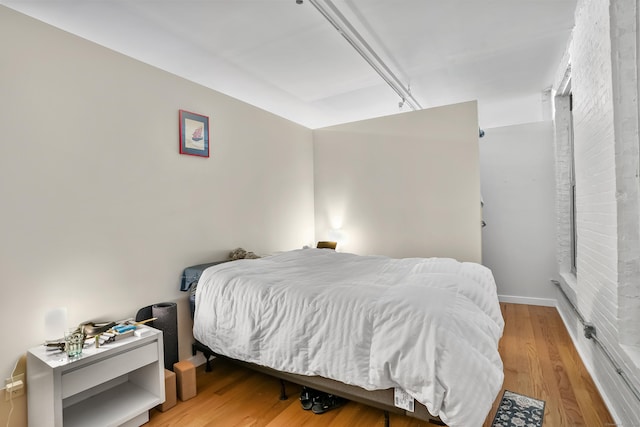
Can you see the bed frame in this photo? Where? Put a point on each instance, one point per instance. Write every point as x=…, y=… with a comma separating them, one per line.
x=382, y=399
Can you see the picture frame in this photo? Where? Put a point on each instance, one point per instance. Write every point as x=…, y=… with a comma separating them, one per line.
x=194, y=134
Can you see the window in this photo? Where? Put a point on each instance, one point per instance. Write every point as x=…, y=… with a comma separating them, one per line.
x=572, y=200
x=566, y=178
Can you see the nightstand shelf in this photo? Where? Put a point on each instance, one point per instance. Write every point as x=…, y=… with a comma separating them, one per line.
x=98, y=410
x=114, y=385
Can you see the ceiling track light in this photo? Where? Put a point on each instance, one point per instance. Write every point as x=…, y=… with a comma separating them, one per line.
x=344, y=27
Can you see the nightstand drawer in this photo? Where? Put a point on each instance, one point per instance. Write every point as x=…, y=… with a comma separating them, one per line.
x=82, y=379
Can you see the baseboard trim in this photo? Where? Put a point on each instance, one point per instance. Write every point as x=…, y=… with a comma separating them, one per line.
x=545, y=302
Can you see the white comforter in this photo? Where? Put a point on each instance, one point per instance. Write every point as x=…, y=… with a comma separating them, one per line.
x=429, y=326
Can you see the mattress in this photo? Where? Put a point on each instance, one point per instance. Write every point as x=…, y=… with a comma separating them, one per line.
x=429, y=326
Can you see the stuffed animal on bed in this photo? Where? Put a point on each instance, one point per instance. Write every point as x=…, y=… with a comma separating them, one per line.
x=240, y=253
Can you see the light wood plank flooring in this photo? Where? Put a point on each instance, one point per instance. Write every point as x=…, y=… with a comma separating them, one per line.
x=539, y=361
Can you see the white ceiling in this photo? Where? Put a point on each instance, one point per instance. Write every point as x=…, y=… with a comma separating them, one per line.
x=286, y=58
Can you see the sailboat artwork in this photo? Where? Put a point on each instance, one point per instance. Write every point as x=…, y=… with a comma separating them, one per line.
x=194, y=134
x=197, y=134
x=194, y=130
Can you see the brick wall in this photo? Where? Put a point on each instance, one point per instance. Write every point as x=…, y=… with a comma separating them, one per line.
x=624, y=45
x=594, y=161
x=606, y=288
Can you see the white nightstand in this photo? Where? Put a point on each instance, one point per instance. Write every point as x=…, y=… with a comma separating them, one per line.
x=114, y=385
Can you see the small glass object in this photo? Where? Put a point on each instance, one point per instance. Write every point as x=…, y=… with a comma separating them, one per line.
x=73, y=342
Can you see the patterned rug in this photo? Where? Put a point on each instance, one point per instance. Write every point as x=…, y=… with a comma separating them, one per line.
x=516, y=410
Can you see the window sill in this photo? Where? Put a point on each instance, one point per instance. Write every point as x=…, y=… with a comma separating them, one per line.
x=570, y=280
x=569, y=283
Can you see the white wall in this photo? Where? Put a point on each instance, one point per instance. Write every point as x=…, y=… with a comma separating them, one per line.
x=403, y=185
x=99, y=212
x=518, y=189
x=606, y=288
x=529, y=108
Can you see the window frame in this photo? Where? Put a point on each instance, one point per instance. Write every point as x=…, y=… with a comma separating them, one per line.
x=572, y=183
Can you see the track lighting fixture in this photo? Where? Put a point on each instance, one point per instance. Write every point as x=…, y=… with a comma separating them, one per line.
x=344, y=27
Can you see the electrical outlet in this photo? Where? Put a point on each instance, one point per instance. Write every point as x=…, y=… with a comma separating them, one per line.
x=14, y=387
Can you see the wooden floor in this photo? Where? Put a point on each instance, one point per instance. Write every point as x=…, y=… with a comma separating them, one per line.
x=539, y=361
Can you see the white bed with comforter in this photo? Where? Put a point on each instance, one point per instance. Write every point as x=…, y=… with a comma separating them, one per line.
x=430, y=326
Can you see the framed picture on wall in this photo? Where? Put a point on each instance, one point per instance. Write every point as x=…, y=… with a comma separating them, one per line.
x=194, y=134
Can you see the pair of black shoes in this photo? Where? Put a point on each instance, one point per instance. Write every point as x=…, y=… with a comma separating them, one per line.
x=319, y=402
